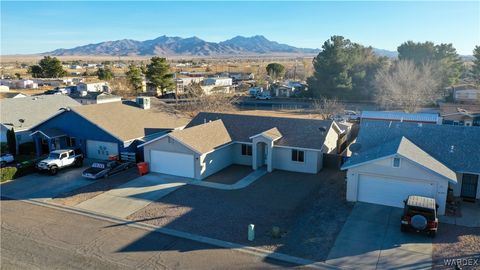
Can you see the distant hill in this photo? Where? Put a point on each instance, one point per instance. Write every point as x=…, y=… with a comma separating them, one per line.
x=193, y=46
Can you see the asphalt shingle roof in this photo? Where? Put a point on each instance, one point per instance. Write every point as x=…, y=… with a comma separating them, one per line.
x=456, y=147
x=33, y=110
x=126, y=122
x=204, y=138
x=295, y=132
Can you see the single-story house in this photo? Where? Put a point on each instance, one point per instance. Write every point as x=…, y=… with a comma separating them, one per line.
x=102, y=130
x=392, y=160
x=93, y=87
x=425, y=118
x=460, y=114
x=213, y=141
x=86, y=98
x=23, y=113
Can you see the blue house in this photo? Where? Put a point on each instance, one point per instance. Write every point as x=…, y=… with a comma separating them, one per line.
x=102, y=130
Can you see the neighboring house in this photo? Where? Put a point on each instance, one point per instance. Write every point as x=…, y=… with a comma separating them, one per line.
x=101, y=130
x=460, y=114
x=181, y=82
x=426, y=118
x=239, y=76
x=218, y=81
x=93, y=87
x=392, y=160
x=19, y=84
x=22, y=114
x=283, y=90
x=86, y=98
x=213, y=141
x=466, y=94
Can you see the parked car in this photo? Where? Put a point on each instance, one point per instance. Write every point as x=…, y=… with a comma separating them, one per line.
x=420, y=215
x=60, y=159
x=263, y=96
x=5, y=158
x=105, y=169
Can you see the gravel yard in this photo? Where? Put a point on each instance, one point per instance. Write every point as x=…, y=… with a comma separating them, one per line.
x=456, y=242
x=309, y=209
x=230, y=175
x=97, y=187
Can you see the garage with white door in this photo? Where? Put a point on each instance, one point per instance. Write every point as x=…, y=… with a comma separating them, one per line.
x=101, y=150
x=172, y=163
x=391, y=191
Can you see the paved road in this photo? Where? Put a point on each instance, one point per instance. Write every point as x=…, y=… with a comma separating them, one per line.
x=374, y=240
x=35, y=237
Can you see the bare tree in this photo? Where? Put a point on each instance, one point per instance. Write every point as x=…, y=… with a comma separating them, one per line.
x=196, y=101
x=327, y=108
x=407, y=86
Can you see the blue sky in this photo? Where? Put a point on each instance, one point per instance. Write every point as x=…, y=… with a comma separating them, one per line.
x=33, y=27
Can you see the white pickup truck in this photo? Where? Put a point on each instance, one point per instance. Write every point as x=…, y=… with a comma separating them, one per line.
x=59, y=159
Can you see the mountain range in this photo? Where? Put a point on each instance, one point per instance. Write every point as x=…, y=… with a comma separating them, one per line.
x=192, y=46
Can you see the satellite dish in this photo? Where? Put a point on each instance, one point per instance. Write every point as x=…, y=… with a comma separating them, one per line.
x=355, y=147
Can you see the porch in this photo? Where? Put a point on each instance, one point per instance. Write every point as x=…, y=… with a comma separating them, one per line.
x=51, y=139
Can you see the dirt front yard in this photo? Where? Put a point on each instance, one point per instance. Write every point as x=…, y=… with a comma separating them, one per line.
x=456, y=242
x=310, y=210
x=230, y=175
x=97, y=187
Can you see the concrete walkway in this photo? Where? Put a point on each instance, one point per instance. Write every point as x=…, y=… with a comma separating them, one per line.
x=371, y=239
x=470, y=215
x=242, y=183
x=129, y=197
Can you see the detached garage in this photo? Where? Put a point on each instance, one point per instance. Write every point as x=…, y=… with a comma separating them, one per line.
x=389, y=174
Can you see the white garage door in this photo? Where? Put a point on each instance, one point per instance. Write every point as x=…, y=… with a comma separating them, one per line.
x=391, y=192
x=101, y=150
x=172, y=163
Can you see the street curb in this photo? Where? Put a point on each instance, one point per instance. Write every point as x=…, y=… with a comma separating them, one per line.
x=197, y=238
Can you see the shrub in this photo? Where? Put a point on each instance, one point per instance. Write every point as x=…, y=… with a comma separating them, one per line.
x=7, y=173
x=26, y=148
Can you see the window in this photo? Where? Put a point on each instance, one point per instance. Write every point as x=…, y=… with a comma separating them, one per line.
x=298, y=155
x=246, y=150
x=396, y=162
x=64, y=155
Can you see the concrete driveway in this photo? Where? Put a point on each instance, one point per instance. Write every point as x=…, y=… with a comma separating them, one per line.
x=130, y=197
x=44, y=186
x=371, y=239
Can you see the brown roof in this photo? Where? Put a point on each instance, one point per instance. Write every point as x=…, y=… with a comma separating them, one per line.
x=205, y=137
x=273, y=134
x=458, y=112
x=295, y=132
x=127, y=122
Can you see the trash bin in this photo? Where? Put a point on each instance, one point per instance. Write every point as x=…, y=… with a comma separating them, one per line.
x=142, y=168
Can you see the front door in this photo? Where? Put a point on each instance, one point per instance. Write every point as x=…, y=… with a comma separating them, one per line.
x=265, y=155
x=469, y=185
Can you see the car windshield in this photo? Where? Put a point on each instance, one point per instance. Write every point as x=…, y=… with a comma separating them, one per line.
x=54, y=156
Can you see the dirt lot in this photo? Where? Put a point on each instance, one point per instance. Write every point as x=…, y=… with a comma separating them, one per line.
x=456, y=242
x=309, y=209
x=230, y=175
x=97, y=187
